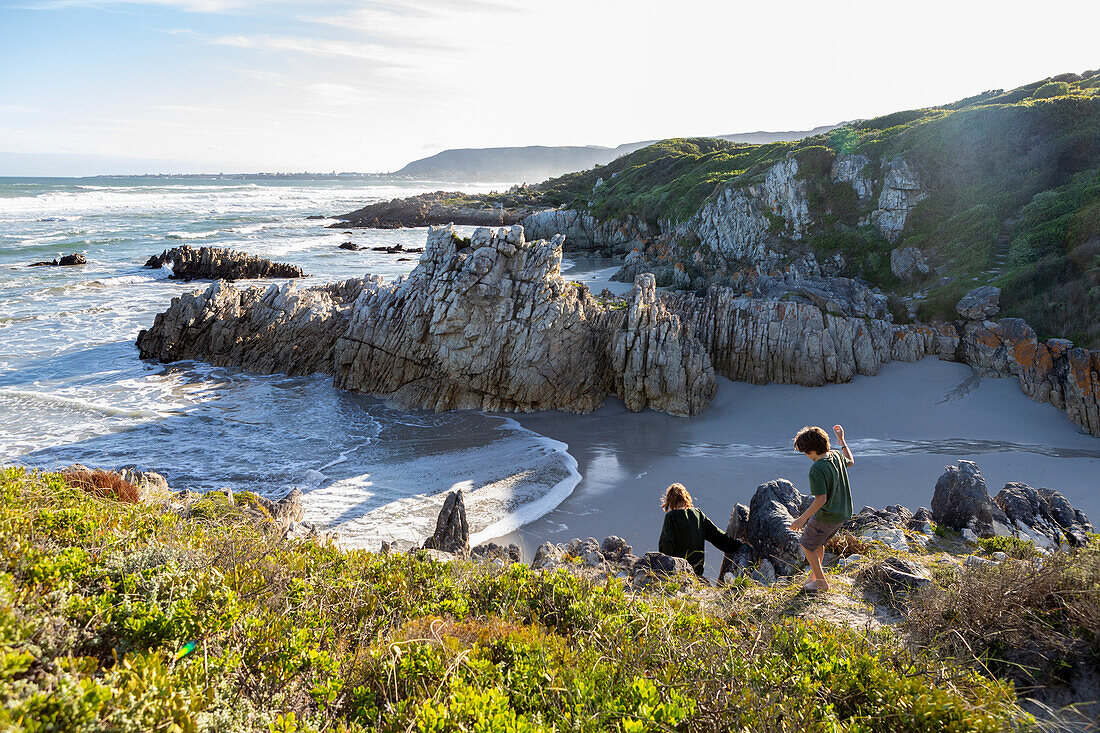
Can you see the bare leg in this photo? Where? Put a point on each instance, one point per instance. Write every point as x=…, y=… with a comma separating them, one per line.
x=814, y=557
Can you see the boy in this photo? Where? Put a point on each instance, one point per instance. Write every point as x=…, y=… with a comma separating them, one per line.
x=832, y=504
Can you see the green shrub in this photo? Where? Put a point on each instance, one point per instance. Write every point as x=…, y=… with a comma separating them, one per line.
x=142, y=621
x=1011, y=546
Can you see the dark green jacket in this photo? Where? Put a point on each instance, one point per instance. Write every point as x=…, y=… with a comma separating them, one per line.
x=684, y=533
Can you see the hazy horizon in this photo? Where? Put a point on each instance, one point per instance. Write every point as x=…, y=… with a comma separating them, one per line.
x=164, y=86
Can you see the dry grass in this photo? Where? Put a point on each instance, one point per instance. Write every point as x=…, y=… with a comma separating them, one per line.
x=843, y=544
x=1032, y=621
x=103, y=484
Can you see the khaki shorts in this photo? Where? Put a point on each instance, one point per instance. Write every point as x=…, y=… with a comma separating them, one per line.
x=816, y=533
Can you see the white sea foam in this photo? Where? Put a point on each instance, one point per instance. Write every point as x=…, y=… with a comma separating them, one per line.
x=28, y=398
x=512, y=481
x=193, y=235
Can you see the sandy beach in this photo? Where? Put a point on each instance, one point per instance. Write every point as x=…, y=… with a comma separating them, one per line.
x=903, y=425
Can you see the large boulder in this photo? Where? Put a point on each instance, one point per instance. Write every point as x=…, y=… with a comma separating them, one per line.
x=452, y=532
x=773, y=508
x=1043, y=516
x=961, y=501
x=980, y=304
x=909, y=264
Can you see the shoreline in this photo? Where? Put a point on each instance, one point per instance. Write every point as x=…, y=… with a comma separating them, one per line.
x=744, y=440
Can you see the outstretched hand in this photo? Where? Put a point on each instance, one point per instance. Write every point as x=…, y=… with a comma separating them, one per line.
x=839, y=430
x=797, y=524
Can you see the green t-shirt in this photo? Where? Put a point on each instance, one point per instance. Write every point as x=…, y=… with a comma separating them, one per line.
x=829, y=477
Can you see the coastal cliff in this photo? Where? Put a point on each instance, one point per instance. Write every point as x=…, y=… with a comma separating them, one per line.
x=487, y=323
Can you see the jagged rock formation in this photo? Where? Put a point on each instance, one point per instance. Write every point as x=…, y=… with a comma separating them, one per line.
x=491, y=325
x=216, y=263
x=261, y=329
x=452, y=532
x=1043, y=516
x=63, y=261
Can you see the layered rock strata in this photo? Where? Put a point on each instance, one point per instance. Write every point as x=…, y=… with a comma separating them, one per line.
x=491, y=325
x=216, y=263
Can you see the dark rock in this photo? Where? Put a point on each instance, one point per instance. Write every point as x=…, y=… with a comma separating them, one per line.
x=737, y=528
x=215, y=263
x=922, y=520
x=773, y=507
x=614, y=548
x=980, y=304
x=1072, y=520
x=739, y=563
x=452, y=533
x=961, y=501
x=871, y=519
x=316, y=216
x=1044, y=516
x=894, y=575
x=64, y=261
x=656, y=563
x=73, y=259
x=492, y=551
x=350, y=246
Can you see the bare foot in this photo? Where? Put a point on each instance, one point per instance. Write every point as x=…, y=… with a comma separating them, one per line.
x=816, y=585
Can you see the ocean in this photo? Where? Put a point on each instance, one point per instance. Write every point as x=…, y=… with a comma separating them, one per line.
x=73, y=390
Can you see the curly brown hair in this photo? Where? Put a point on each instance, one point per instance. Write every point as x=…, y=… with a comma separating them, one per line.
x=676, y=497
x=812, y=440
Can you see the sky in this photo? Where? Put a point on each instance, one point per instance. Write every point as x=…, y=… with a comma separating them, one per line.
x=355, y=85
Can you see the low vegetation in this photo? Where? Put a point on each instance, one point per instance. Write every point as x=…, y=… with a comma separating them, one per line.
x=1032, y=620
x=124, y=617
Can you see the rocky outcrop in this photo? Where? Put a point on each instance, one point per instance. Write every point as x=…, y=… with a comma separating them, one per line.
x=853, y=170
x=761, y=341
x=583, y=233
x=63, y=261
x=438, y=207
x=774, y=506
x=980, y=304
x=961, y=501
x=494, y=326
x=1043, y=516
x=452, y=532
x=1053, y=371
x=909, y=264
x=215, y=263
x=488, y=325
x=901, y=192
x=265, y=330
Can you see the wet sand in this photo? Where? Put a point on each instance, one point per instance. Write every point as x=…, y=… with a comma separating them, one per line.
x=903, y=425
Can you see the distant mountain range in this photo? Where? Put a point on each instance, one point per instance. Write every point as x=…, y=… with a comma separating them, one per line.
x=534, y=163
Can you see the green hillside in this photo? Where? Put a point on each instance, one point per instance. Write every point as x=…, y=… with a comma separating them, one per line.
x=1013, y=182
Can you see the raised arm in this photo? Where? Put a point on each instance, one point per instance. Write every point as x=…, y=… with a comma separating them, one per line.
x=844, y=449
